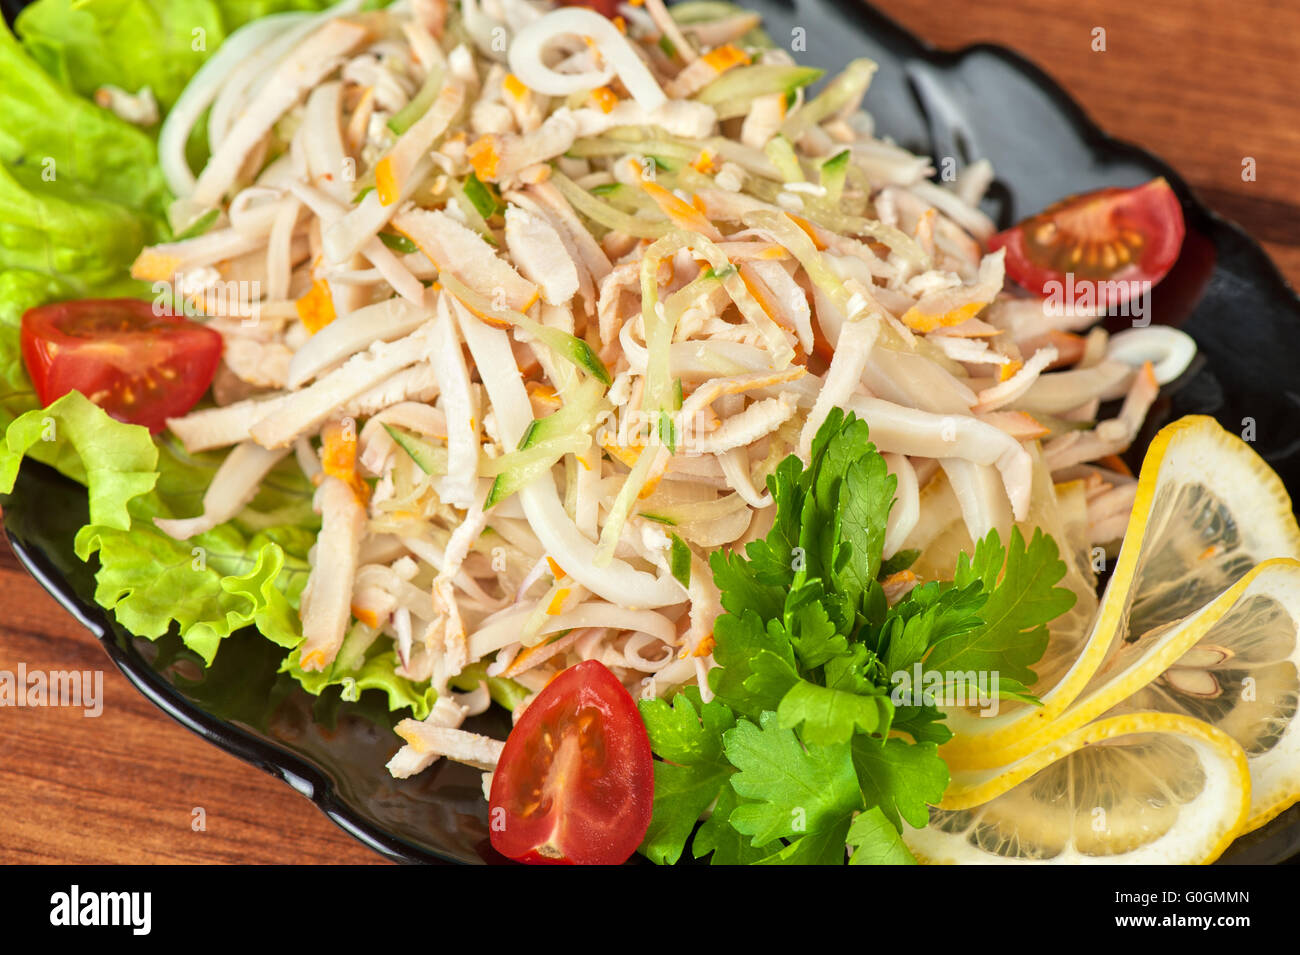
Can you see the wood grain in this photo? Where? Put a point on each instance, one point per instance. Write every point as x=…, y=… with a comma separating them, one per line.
x=1203, y=84
x=122, y=787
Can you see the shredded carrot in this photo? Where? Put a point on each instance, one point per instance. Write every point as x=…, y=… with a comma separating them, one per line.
x=543, y=392
x=366, y=616
x=923, y=322
x=748, y=382
x=703, y=163
x=1115, y=463
x=761, y=296
x=517, y=665
x=605, y=98
x=544, y=400
x=1148, y=375
x=725, y=57
x=1008, y=371
x=556, y=570
x=1069, y=348
x=897, y=584
x=152, y=266
x=683, y=214
x=1211, y=551
x=1018, y=424
x=339, y=458
x=514, y=86
x=625, y=455
x=316, y=308
x=313, y=661
x=493, y=320
x=651, y=484
x=556, y=606
x=411, y=739
x=810, y=230
x=386, y=185
x=621, y=25
x=705, y=647
x=484, y=155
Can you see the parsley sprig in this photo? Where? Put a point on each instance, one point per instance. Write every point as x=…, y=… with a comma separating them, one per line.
x=801, y=753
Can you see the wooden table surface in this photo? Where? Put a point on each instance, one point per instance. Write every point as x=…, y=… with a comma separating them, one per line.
x=1200, y=82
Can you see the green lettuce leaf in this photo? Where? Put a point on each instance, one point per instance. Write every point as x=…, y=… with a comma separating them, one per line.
x=117, y=462
x=43, y=118
x=135, y=43
x=375, y=673
x=80, y=194
x=209, y=586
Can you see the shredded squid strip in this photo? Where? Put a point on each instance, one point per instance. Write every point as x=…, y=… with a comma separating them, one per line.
x=543, y=301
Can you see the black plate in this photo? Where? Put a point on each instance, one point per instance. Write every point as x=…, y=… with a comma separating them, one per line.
x=983, y=101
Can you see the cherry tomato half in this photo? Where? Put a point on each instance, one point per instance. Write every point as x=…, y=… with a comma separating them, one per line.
x=1124, y=237
x=575, y=782
x=140, y=367
x=605, y=7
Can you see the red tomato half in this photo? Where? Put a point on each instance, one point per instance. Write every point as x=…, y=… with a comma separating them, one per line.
x=140, y=367
x=1119, y=236
x=606, y=7
x=575, y=782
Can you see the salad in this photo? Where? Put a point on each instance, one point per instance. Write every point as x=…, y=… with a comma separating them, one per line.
x=607, y=365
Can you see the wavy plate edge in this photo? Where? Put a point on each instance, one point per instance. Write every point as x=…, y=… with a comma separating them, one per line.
x=315, y=783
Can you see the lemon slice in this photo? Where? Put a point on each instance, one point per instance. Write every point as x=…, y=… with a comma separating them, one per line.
x=1242, y=676
x=1207, y=510
x=1143, y=788
x=1234, y=664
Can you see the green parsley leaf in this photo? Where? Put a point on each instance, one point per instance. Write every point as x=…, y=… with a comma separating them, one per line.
x=850, y=472
x=923, y=723
x=1020, y=604
x=825, y=847
x=902, y=779
x=812, y=634
x=796, y=789
x=876, y=841
x=898, y=563
x=805, y=749
x=756, y=666
x=688, y=735
x=832, y=716
x=718, y=840
x=929, y=615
